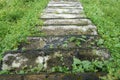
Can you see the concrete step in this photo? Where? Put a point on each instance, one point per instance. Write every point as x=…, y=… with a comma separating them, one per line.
x=69, y=29
x=65, y=5
x=47, y=59
x=78, y=22
x=68, y=41
x=65, y=11
x=61, y=16
x=54, y=76
x=65, y=0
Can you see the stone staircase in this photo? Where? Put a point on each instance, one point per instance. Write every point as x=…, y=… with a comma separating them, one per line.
x=69, y=34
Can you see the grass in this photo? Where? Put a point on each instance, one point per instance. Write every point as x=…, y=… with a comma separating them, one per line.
x=105, y=14
x=17, y=20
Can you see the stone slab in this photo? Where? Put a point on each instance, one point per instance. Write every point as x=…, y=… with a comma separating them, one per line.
x=62, y=7
x=47, y=59
x=10, y=77
x=55, y=76
x=65, y=5
x=35, y=77
x=61, y=76
x=79, y=22
x=62, y=16
x=65, y=11
x=64, y=0
x=51, y=42
x=70, y=30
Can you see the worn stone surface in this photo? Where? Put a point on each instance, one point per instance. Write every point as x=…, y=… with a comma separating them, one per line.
x=18, y=60
x=65, y=11
x=61, y=42
x=10, y=77
x=61, y=76
x=64, y=1
x=79, y=22
x=65, y=5
x=69, y=30
x=50, y=58
x=67, y=16
x=54, y=76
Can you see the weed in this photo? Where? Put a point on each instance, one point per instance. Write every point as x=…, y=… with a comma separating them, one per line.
x=105, y=14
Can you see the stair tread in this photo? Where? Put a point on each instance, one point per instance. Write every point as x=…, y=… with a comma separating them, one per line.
x=61, y=42
x=67, y=11
x=80, y=22
x=63, y=16
x=69, y=29
x=54, y=76
x=50, y=58
x=65, y=5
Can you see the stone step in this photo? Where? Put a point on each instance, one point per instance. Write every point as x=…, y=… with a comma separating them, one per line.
x=65, y=0
x=54, y=76
x=61, y=16
x=78, y=22
x=65, y=11
x=65, y=5
x=47, y=59
x=69, y=29
x=68, y=41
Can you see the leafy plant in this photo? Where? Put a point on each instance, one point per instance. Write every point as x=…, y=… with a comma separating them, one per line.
x=17, y=23
x=107, y=18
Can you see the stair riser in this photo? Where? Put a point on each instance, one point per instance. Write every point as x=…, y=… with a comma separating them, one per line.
x=79, y=22
x=65, y=5
x=67, y=30
x=60, y=42
x=62, y=16
x=64, y=1
x=51, y=58
x=66, y=11
x=54, y=76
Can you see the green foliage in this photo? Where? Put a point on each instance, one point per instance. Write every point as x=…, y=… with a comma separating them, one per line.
x=17, y=21
x=77, y=41
x=105, y=14
x=4, y=72
x=87, y=66
x=59, y=69
x=30, y=69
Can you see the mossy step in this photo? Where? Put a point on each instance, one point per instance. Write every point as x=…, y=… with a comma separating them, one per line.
x=65, y=11
x=62, y=16
x=50, y=42
x=69, y=29
x=54, y=76
x=49, y=58
x=79, y=22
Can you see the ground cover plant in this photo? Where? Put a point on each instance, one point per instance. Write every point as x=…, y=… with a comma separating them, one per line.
x=105, y=14
x=17, y=20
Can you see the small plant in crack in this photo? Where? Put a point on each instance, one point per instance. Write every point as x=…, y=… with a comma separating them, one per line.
x=77, y=41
